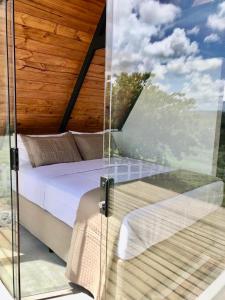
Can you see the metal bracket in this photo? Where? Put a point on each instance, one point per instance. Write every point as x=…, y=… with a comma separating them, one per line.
x=105, y=184
x=14, y=159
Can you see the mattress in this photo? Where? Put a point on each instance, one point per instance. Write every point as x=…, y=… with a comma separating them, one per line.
x=59, y=188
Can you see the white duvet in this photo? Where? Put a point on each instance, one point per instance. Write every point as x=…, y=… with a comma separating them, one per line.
x=59, y=188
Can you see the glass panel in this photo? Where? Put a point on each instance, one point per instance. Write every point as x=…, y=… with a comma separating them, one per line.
x=164, y=106
x=8, y=187
x=13, y=141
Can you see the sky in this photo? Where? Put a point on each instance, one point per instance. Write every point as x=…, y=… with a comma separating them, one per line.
x=181, y=42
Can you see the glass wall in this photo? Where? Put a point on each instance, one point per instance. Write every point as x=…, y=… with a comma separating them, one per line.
x=165, y=107
x=9, y=265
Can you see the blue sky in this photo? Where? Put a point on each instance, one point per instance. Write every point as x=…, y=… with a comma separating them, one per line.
x=181, y=42
x=198, y=16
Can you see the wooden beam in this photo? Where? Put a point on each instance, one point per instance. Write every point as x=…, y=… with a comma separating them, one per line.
x=98, y=42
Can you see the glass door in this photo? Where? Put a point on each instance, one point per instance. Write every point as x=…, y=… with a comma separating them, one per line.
x=9, y=245
x=165, y=231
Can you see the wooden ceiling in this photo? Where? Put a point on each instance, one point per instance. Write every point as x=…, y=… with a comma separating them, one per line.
x=52, y=39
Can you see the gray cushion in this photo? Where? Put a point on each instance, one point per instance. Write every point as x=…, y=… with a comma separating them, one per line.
x=90, y=145
x=51, y=150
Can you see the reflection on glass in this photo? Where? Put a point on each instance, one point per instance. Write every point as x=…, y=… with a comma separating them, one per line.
x=165, y=93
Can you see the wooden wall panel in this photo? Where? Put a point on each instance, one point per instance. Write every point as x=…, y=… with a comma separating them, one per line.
x=52, y=38
x=88, y=114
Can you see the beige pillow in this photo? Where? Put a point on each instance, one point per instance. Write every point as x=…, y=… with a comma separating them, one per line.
x=90, y=145
x=51, y=150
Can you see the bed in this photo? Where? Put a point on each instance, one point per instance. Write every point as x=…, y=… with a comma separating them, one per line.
x=50, y=195
x=59, y=205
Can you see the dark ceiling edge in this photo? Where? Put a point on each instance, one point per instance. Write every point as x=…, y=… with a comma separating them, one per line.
x=98, y=42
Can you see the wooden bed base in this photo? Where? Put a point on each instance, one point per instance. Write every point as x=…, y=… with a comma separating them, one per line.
x=51, y=231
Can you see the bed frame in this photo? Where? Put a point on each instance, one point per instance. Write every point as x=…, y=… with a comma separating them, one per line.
x=51, y=231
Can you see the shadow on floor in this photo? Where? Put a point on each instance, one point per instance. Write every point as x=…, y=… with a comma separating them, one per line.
x=42, y=271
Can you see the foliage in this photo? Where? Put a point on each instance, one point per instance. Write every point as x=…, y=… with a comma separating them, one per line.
x=163, y=126
x=221, y=154
x=126, y=90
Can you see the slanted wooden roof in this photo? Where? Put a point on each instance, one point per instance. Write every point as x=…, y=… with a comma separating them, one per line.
x=52, y=39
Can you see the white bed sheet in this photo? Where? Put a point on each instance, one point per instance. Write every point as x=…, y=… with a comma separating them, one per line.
x=59, y=188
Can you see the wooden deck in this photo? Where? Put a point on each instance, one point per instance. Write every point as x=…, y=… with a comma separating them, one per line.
x=180, y=267
x=6, y=270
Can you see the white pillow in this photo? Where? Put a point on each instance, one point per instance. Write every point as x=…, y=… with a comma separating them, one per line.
x=23, y=155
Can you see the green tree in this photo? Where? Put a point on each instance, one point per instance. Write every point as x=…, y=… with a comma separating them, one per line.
x=126, y=89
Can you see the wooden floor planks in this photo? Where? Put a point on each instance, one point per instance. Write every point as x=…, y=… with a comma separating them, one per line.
x=181, y=267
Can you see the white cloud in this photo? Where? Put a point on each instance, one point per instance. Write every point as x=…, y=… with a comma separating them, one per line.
x=194, y=31
x=204, y=89
x=155, y=13
x=185, y=66
x=200, y=2
x=175, y=60
x=132, y=34
x=217, y=21
x=174, y=55
x=193, y=64
x=175, y=45
x=196, y=77
x=124, y=10
x=159, y=71
x=212, y=38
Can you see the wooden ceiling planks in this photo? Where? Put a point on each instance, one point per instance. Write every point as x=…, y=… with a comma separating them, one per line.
x=52, y=39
